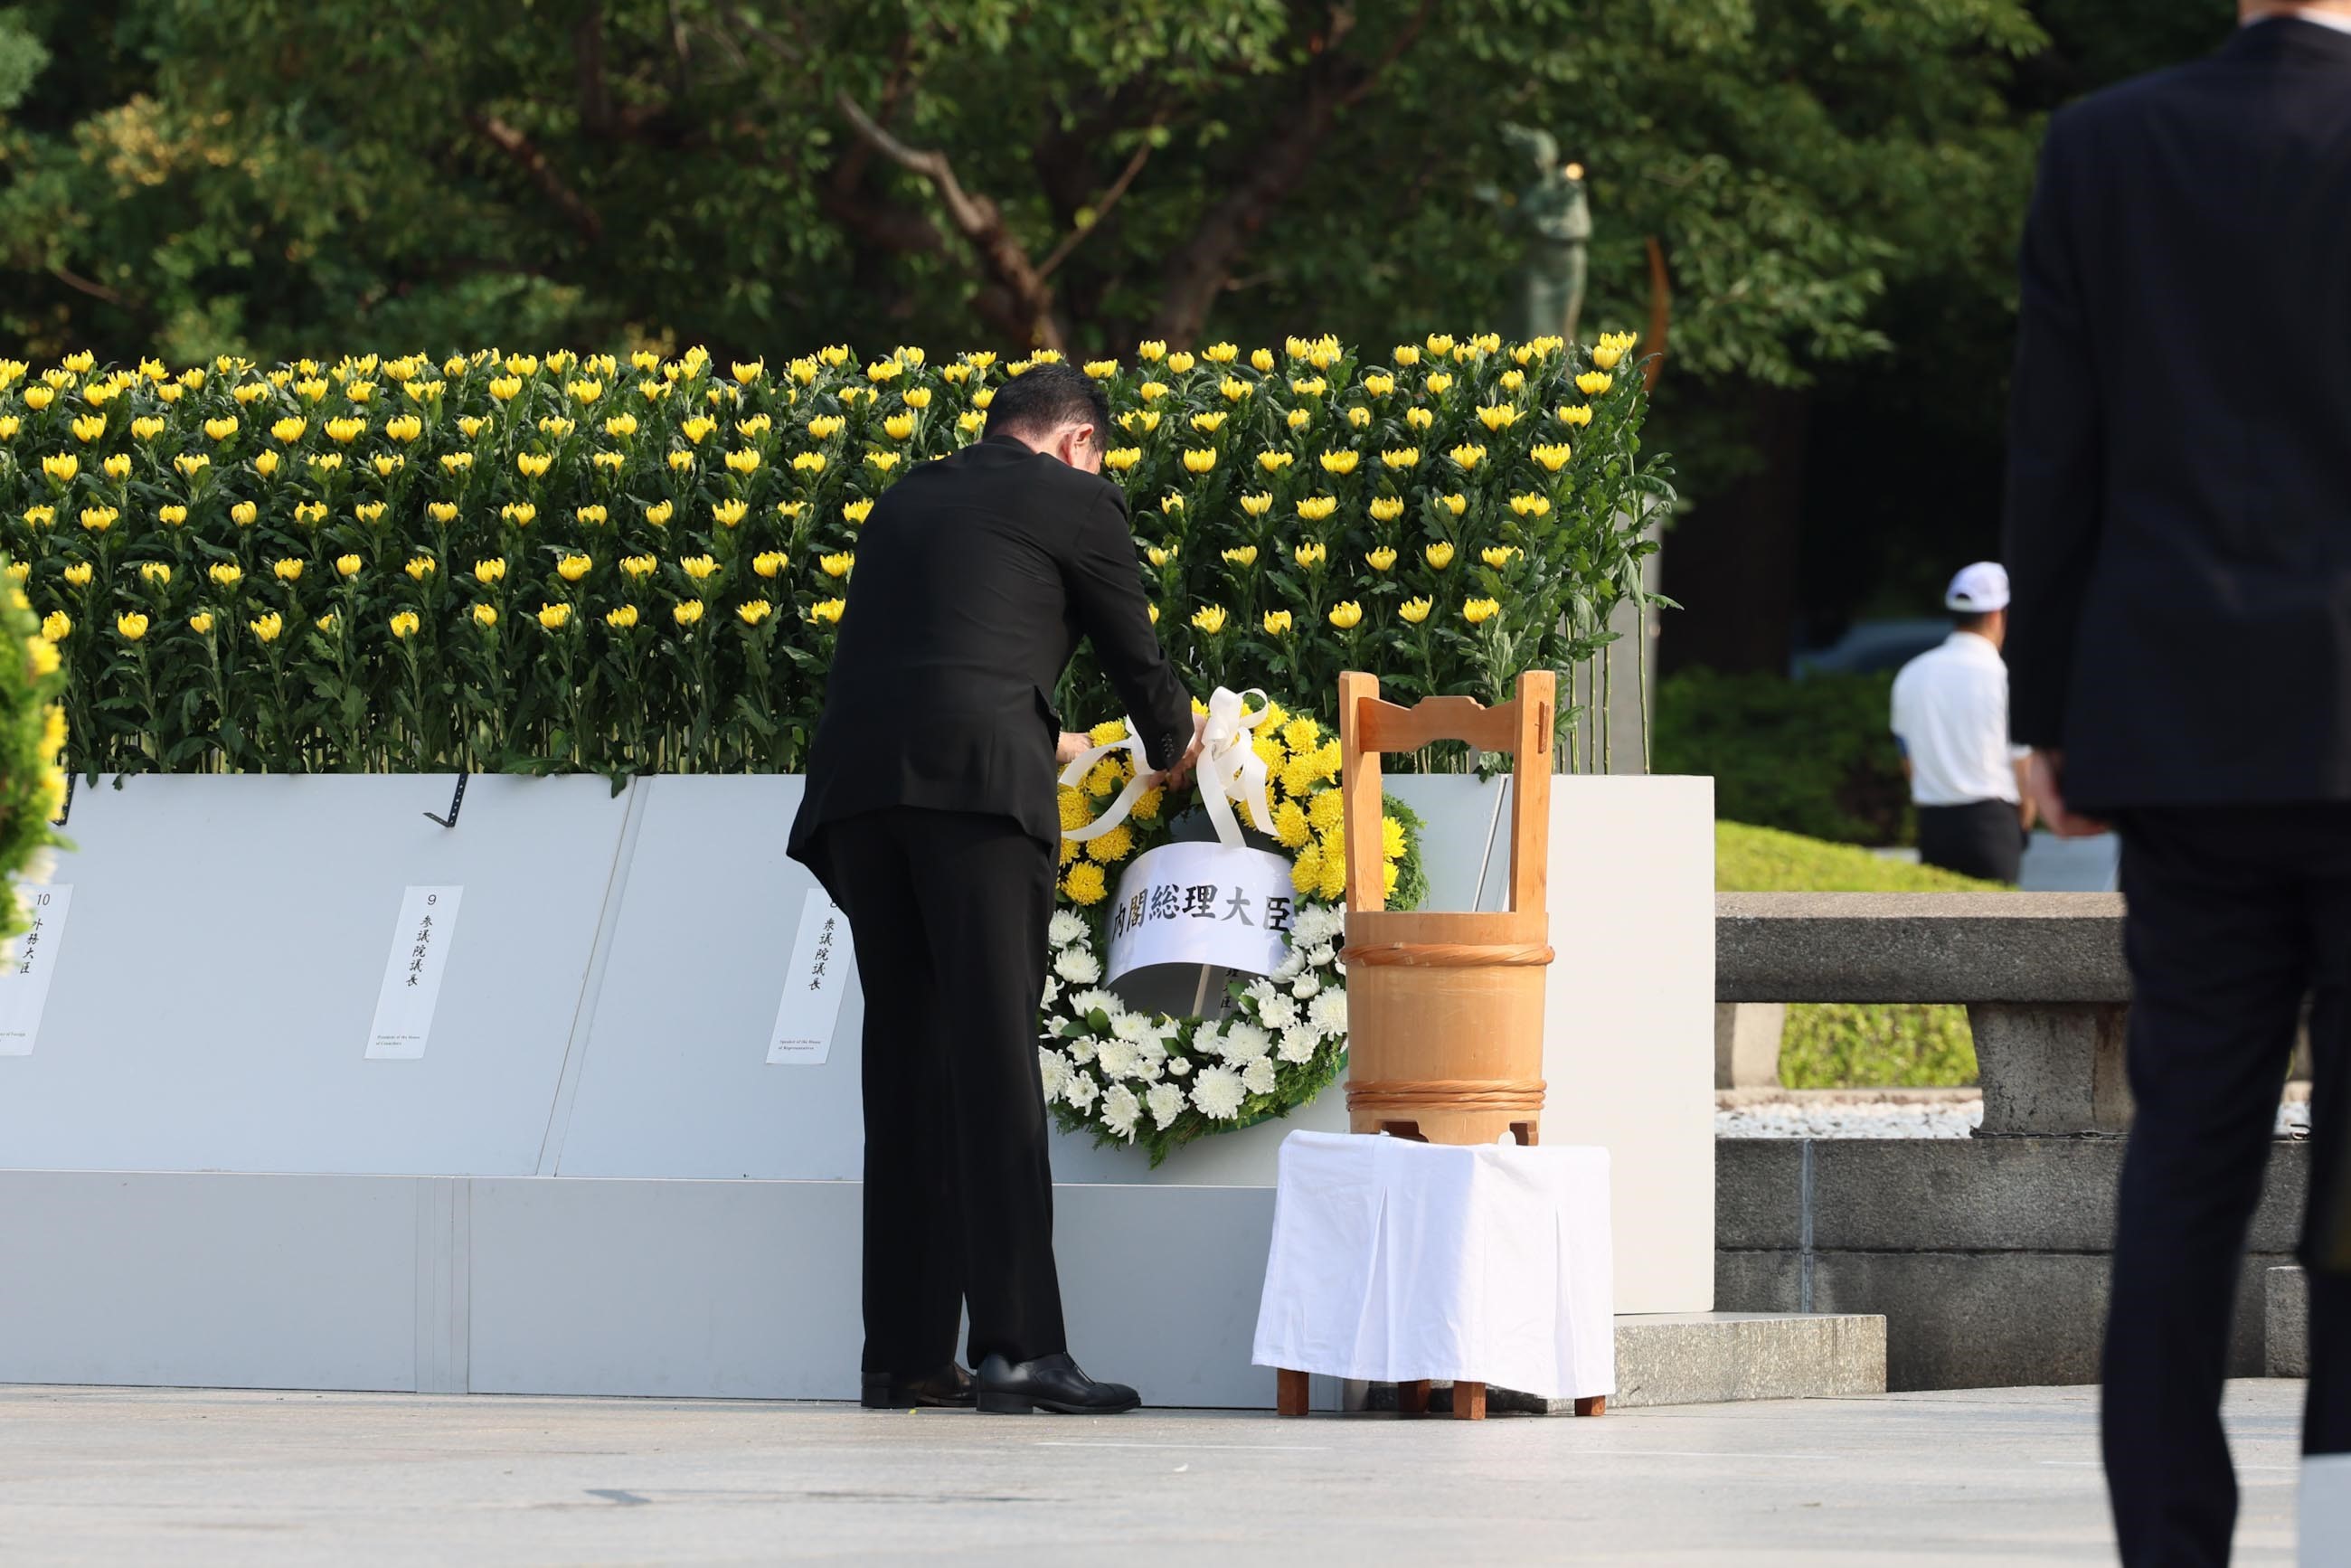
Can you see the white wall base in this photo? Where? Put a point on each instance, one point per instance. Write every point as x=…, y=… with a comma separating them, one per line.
x=546, y=1285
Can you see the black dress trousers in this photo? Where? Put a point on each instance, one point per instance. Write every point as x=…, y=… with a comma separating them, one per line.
x=948, y=911
x=2235, y=914
x=1984, y=839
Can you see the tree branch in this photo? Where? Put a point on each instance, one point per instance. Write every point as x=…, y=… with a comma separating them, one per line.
x=518, y=146
x=1076, y=236
x=91, y=287
x=1003, y=259
x=1198, y=270
x=588, y=63
x=1661, y=311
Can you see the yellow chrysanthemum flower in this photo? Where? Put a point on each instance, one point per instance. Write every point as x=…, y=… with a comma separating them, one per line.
x=1106, y=779
x=1148, y=804
x=1073, y=808
x=1326, y=809
x=1291, y=825
x=1333, y=885
x=1086, y=884
x=1306, y=871
x=1109, y=730
x=1110, y=848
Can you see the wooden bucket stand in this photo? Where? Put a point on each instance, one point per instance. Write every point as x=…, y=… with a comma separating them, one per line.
x=1445, y=1010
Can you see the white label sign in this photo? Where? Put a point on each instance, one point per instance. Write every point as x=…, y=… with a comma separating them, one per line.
x=822, y=966
x=412, y=975
x=1202, y=903
x=31, y=959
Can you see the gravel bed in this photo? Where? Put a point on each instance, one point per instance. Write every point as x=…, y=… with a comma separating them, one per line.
x=1953, y=1118
x=1851, y=1119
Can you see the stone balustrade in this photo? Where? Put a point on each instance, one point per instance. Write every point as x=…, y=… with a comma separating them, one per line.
x=1987, y=1256
x=2041, y=976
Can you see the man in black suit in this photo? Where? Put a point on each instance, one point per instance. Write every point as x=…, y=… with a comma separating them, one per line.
x=2178, y=534
x=931, y=819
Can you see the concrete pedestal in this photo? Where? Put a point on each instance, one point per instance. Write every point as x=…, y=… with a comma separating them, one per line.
x=591, y=1181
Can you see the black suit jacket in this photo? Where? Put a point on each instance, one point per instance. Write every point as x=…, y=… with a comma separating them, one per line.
x=2179, y=518
x=975, y=576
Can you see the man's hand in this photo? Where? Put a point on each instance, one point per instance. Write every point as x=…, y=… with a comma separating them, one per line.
x=1070, y=748
x=1180, y=775
x=2049, y=793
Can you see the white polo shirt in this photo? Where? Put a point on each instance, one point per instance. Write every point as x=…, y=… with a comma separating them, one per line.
x=1950, y=713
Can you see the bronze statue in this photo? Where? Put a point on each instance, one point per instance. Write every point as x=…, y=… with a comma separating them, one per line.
x=1554, y=222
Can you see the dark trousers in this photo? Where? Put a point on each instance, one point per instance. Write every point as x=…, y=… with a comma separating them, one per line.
x=2235, y=914
x=1984, y=839
x=948, y=911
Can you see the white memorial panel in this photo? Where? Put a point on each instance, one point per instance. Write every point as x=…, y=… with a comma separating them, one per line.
x=673, y=1075
x=213, y=1007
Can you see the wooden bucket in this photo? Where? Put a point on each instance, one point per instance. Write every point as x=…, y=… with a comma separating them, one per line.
x=1445, y=1010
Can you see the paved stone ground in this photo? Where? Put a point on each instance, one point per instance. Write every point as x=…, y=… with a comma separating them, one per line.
x=119, y=1476
x=1854, y=1113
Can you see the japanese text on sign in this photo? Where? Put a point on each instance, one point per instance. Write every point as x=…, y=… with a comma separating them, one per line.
x=821, y=969
x=24, y=977
x=1202, y=903
x=411, y=976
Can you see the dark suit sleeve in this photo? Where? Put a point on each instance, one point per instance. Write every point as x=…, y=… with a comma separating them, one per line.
x=2055, y=481
x=1105, y=586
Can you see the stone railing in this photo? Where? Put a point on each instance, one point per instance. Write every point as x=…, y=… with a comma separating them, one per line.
x=2041, y=975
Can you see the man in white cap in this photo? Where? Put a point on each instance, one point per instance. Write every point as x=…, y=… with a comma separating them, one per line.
x=1950, y=716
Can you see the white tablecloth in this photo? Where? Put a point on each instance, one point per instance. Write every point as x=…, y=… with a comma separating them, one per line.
x=1395, y=1261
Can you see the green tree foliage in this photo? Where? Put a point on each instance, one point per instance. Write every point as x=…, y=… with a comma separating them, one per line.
x=274, y=175
x=1814, y=757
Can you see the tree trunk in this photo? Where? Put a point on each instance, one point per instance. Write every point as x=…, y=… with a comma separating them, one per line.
x=1731, y=563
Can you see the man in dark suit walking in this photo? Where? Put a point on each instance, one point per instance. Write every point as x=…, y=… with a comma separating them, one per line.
x=2178, y=534
x=931, y=817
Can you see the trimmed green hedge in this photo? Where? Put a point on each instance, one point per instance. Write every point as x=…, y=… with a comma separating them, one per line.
x=1813, y=756
x=1836, y=1045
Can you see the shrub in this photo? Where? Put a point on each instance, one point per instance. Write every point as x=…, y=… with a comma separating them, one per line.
x=1836, y=1045
x=32, y=733
x=566, y=562
x=1813, y=756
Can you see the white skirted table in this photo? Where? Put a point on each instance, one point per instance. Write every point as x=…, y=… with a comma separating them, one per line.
x=1403, y=1262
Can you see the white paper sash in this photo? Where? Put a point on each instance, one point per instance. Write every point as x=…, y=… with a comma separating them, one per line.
x=1229, y=770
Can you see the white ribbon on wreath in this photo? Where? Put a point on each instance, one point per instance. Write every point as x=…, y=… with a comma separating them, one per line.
x=1229, y=770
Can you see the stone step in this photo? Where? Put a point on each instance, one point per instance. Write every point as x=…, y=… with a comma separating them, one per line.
x=1715, y=1358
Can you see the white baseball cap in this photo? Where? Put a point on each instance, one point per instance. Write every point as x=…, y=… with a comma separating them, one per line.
x=1979, y=589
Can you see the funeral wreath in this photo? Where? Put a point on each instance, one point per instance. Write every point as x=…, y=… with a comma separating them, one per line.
x=1158, y=1081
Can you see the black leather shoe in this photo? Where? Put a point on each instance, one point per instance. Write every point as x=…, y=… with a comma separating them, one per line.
x=950, y=1387
x=1048, y=1383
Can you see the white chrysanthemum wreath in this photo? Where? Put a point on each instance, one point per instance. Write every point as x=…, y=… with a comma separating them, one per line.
x=1157, y=1080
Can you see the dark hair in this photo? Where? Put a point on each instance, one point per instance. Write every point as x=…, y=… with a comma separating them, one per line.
x=1043, y=398
x=1972, y=620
